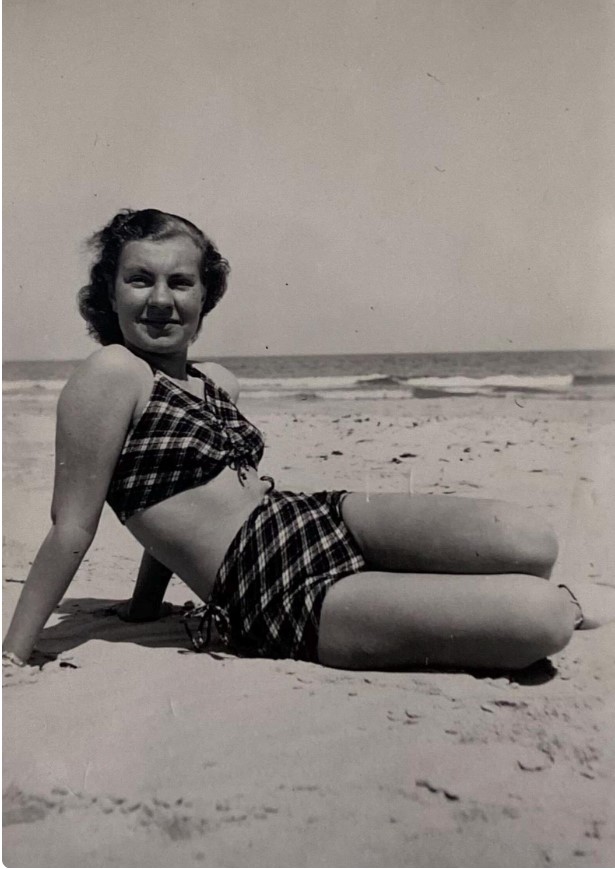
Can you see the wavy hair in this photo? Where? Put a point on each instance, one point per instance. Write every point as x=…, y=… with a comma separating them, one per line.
x=95, y=298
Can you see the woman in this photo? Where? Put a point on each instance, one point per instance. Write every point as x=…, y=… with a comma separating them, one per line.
x=381, y=583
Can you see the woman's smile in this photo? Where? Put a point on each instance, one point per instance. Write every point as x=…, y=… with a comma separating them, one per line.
x=159, y=323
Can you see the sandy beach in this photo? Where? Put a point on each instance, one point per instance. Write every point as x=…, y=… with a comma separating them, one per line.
x=123, y=748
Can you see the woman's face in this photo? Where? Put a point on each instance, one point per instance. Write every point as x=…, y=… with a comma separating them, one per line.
x=158, y=294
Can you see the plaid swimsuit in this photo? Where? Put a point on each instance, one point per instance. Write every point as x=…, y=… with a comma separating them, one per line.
x=270, y=588
x=180, y=442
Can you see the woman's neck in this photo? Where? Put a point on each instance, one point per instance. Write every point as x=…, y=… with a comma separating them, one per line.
x=174, y=366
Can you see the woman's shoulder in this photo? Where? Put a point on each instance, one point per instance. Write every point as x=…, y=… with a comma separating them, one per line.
x=105, y=375
x=95, y=411
x=113, y=359
x=221, y=376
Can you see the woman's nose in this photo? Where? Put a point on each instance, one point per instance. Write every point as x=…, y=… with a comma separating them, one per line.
x=160, y=297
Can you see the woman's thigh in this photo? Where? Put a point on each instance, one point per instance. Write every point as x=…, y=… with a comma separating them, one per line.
x=442, y=534
x=391, y=620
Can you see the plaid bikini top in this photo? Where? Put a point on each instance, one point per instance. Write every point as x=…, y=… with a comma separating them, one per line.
x=180, y=442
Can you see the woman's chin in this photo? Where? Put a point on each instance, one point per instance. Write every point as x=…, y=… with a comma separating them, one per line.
x=157, y=342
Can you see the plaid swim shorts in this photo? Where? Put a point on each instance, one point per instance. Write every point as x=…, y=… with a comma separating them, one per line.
x=270, y=588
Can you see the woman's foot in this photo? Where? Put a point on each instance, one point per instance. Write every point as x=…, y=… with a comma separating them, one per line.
x=594, y=602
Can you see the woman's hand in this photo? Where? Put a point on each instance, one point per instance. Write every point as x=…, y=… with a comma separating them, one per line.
x=10, y=660
x=128, y=612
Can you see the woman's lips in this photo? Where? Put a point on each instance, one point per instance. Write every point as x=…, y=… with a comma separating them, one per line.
x=159, y=323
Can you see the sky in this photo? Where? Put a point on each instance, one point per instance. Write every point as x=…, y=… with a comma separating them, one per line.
x=383, y=175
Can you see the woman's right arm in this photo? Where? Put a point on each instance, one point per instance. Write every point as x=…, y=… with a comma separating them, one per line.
x=94, y=413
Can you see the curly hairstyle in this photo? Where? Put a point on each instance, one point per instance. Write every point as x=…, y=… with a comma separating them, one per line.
x=94, y=299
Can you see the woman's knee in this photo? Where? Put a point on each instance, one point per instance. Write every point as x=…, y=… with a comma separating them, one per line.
x=546, y=625
x=529, y=543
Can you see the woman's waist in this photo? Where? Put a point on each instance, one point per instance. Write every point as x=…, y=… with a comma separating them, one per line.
x=192, y=531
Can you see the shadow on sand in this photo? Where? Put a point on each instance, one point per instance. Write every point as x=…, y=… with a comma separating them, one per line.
x=84, y=619
x=88, y=618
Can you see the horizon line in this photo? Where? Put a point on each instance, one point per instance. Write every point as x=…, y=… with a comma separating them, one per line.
x=379, y=353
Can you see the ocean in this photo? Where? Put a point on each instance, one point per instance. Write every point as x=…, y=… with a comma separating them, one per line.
x=563, y=374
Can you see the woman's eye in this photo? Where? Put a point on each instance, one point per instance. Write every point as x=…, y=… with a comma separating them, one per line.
x=137, y=281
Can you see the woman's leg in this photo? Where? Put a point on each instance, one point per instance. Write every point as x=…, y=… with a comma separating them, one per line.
x=440, y=534
x=377, y=620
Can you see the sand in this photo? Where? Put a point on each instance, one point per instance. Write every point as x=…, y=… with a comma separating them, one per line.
x=122, y=748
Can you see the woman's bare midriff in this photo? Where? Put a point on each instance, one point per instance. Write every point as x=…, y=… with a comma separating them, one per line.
x=191, y=532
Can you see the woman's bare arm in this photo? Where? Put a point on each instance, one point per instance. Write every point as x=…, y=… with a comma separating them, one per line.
x=94, y=413
x=146, y=602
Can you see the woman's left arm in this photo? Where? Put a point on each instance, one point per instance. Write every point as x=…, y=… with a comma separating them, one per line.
x=146, y=602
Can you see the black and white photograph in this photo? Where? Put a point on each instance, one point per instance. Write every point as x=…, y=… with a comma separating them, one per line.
x=309, y=433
